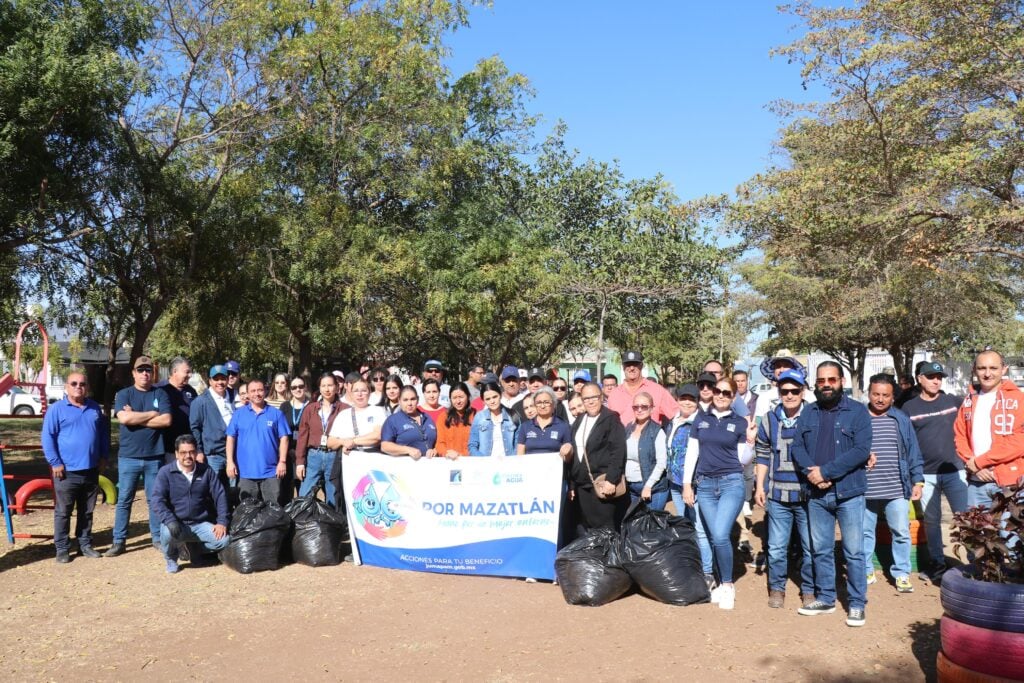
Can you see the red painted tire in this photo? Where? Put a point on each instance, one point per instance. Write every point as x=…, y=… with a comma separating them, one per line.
x=995, y=606
x=997, y=653
x=949, y=672
x=26, y=491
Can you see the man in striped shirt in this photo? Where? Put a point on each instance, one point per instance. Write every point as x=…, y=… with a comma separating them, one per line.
x=895, y=480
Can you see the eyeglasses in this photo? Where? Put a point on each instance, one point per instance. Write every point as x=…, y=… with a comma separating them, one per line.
x=727, y=393
x=378, y=379
x=592, y=398
x=78, y=384
x=641, y=407
x=298, y=386
x=232, y=374
x=542, y=403
x=144, y=368
x=559, y=388
x=821, y=381
x=790, y=392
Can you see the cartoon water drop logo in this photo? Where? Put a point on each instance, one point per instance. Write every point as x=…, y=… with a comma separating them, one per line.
x=375, y=501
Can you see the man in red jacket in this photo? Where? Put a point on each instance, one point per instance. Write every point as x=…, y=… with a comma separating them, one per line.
x=989, y=430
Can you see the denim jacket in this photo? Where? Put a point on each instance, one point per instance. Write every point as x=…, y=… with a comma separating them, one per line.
x=911, y=460
x=853, y=447
x=481, y=434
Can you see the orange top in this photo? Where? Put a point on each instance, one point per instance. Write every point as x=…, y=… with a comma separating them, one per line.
x=454, y=438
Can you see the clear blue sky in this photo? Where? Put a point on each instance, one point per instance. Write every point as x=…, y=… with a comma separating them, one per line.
x=678, y=88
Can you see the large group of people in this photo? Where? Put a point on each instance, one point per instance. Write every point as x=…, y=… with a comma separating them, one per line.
x=805, y=451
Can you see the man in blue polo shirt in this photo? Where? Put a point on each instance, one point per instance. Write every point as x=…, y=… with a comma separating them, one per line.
x=144, y=412
x=257, y=446
x=76, y=443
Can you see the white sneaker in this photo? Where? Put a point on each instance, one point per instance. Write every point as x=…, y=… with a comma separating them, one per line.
x=716, y=594
x=727, y=599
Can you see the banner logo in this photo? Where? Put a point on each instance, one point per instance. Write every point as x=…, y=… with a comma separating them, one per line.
x=374, y=500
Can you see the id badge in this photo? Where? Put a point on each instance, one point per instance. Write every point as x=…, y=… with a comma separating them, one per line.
x=323, y=441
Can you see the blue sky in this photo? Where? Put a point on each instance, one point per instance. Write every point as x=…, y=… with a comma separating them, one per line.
x=678, y=88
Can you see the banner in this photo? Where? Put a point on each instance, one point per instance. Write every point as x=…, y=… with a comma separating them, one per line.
x=492, y=516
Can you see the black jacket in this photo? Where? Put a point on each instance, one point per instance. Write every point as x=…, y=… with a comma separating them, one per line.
x=606, y=450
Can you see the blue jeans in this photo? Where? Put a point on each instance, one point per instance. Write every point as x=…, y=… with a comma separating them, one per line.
x=201, y=532
x=318, y=470
x=658, y=498
x=720, y=500
x=128, y=472
x=954, y=485
x=781, y=518
x=691, y=513
x=822, y=514
x=980, y=493
x=897, y=517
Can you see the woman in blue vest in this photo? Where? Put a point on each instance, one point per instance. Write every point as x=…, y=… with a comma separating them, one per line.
x=646, y=455
x=721, y=443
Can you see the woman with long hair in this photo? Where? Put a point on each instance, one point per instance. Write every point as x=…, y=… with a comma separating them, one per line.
x=453, y=430
x=278, y=393
x=493, y=430
x=393, y=385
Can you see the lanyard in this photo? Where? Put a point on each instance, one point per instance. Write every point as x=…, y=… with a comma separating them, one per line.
x=295, y=418
x=355, y=427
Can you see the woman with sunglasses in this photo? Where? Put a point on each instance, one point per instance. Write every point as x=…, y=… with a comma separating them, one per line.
x=646, y=455
x=454, y=428
x=378, y=376
x=409, y=432
x=493, y=430
x=292, y=410
x=720, y=444
x=561, y=388
x=278, y=393
x=392, y=388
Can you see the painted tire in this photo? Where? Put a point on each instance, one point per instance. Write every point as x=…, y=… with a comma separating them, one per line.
x=27, y=490
x=109, y=490
x=997, y=653
x=949, y=672
x=994, y=606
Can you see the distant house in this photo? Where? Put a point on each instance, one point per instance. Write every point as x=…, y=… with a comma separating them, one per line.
x=92, y=359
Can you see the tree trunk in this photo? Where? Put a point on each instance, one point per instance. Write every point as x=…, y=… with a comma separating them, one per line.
x=600, y=340
x=109, y=372
x=305, y=366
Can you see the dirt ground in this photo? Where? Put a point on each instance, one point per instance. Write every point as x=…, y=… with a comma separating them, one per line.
x=127, y=619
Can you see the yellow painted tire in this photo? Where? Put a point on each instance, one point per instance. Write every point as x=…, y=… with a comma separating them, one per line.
x=109, y=490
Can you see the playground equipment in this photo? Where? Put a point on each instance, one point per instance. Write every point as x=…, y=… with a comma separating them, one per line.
x=32, y=484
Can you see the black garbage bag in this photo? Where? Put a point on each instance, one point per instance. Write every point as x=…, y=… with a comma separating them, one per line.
x=258, y=530
x=589, y=570
x=318, y=531
x=660, y=553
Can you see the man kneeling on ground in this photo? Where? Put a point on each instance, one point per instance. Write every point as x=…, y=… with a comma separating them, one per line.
x=190, y=503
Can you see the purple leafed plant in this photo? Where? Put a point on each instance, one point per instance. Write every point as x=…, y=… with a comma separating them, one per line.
x=993, y=535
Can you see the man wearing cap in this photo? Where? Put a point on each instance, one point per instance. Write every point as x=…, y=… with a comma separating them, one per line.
x=771, y=368
x=257, y=446
x=434, y=369
x=180, y=394
x=932, y=413
x=143, y=412
x=234, y=378
x=781, y=491
x=620, y=400
x=989, y=430
x=76, y=443
x=510, y=395
x=209, y=416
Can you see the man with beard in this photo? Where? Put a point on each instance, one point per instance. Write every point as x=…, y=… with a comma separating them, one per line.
x=831, y=447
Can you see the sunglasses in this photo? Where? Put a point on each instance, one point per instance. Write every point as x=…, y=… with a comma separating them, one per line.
x=821, y=381
x=78, y=384
x=727, y=393
x=232, y=374
x=378, y=379
x=559, y=388
x=144, y=368
x=790, y=392
x=298, y=386
x=640, y=407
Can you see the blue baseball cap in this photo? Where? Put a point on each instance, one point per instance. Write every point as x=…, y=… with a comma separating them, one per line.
x=217, y=370
x=232, y=366
x=794, y=376
x=581, y=375
x=510, y=371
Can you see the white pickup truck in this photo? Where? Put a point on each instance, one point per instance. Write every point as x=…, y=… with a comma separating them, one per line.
x=17, y=401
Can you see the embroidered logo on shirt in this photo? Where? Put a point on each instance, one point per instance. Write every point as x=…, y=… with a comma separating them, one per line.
x=730, y=427
x=554, y=435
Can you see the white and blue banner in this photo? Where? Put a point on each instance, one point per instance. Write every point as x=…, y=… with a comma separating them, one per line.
x=489, y=516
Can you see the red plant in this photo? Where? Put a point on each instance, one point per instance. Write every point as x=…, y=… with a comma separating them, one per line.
x=994, y=536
